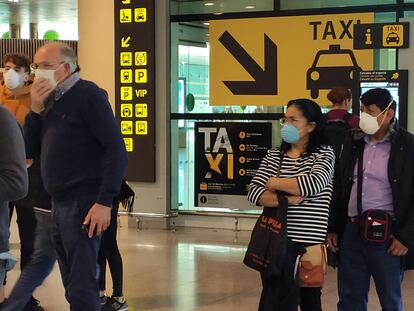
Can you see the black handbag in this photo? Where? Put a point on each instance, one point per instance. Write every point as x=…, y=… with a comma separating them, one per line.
x=375, y=226
x=266, y=251
x=126, y=197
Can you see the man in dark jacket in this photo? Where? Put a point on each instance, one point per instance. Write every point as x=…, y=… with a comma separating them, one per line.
x=387, y=186
x=13, y=182
x=83, y=161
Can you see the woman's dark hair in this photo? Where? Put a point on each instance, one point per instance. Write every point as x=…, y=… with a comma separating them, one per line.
x=338, y=94
x=19, y=60
x=313, y=113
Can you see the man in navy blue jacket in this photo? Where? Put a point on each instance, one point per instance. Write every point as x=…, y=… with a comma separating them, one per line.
x=83, y=161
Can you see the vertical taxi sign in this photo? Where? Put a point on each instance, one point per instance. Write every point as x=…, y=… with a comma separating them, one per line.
x=135, y=84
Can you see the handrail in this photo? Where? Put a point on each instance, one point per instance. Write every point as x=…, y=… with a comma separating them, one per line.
x=219, y=214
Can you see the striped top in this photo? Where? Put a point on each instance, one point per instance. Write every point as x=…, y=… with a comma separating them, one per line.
x=307, y=222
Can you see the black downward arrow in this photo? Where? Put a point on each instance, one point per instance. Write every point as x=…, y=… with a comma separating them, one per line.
x=265, y=81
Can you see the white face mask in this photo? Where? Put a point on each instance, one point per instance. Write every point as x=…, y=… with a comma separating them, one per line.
x=48, y=74
x=12, y=79
x=369, y=124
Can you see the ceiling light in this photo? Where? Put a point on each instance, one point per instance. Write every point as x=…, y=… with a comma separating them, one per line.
x=209, y=3
x=206, y=23
x=249, y=7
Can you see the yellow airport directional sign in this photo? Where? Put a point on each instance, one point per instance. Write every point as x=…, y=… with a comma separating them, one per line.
x=140, y=58
x=126, y=76
x=125, y=42
x=140, y=15
x=127, y=127
x=140, y=75
x=125, y=16
x=126, y=58
x=126, y=93
x=141, y=110
x=126, y=1
x=141, y=127
x=393, y=35
x=263, y=61
x=129, y=144
x=127, y=111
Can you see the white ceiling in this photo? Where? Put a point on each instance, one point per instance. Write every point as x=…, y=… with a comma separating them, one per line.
x=37, y=11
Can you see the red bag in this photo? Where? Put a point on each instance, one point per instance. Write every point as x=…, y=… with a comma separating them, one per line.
x=313, y=266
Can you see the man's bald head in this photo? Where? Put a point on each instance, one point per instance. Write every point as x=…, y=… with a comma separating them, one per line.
x=60, y=52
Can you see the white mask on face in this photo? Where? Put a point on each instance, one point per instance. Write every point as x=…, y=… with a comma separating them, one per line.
x=48, y=74
x=369, y=124
x=12, y=79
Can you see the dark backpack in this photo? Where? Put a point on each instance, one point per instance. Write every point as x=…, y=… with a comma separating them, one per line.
x=336, y=131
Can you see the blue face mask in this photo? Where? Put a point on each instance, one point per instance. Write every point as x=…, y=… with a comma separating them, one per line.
x=290, y=134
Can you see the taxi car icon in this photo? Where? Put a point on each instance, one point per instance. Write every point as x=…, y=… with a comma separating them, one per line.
x=392, y=37
x=330, y=68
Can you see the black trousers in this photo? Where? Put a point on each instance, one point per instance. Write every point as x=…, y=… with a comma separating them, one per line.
x=26, y=223
x=310, y=298
x=282, y=293
x=109, y=252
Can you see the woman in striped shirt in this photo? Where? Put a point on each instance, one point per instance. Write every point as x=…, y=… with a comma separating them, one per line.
x=306, y=177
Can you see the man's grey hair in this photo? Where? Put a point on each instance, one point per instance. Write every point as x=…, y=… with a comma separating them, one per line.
x=70, y=56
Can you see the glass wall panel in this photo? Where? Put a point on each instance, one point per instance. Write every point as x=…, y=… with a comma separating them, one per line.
x=313, y=4
x=182, y=7
x=409, y=13
x=183, y=168
x=385, y=59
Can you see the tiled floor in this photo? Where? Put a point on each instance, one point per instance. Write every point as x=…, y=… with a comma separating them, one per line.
x=190, y=269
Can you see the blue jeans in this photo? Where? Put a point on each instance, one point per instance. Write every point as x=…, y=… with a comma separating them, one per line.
x=2, y=272
x=359, y=261
x=76, y=253
x=38, y=268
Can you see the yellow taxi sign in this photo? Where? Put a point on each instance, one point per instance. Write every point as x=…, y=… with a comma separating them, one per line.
x=393, y=35
x=254, y=62
x=140, y=15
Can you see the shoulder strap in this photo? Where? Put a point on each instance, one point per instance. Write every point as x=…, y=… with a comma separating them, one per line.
x=360, y=160
x=279, y=167
x=347, y=116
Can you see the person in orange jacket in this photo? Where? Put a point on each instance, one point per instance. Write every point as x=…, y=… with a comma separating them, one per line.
x=15, y=88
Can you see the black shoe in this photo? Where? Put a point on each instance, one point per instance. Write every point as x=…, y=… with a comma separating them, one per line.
x=33, y=305
x=2, y=303
x=114, y=305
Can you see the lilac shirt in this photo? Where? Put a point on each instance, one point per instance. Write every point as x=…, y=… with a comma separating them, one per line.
x=376, y=188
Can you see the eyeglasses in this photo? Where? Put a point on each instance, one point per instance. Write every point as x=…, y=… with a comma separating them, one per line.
x=35, y=66
x=289, y=120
